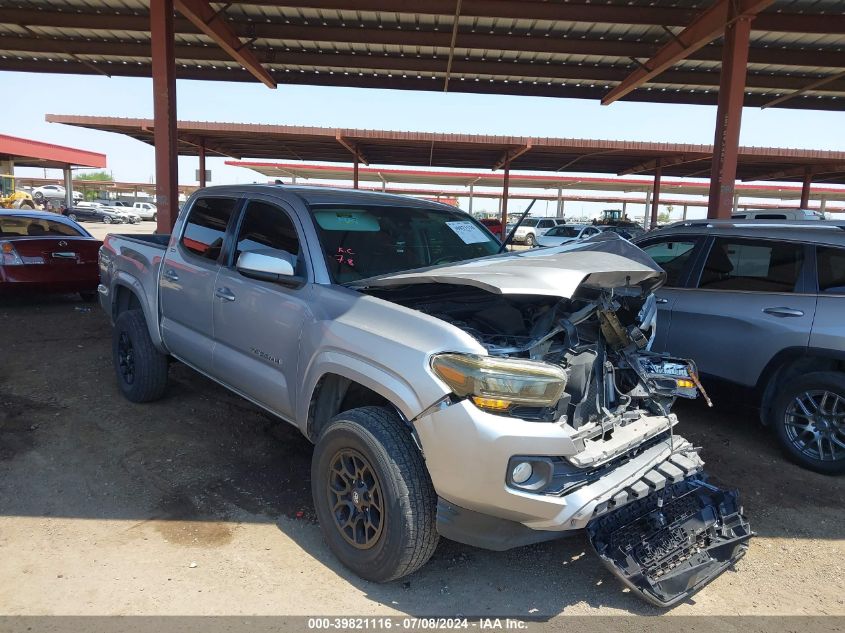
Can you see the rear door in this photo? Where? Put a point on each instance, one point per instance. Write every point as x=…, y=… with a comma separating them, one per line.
x=676, y=256
x=257, y=323
x=751, y=299
x=827, y=327
x=187, y=280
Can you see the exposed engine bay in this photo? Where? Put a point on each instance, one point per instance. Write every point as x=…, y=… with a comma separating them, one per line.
x=600, y=337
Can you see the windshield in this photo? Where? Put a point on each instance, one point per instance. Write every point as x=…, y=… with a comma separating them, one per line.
x=564, y=231
x=366, y=241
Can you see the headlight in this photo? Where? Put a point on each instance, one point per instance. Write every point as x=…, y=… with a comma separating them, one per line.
x=496, y=384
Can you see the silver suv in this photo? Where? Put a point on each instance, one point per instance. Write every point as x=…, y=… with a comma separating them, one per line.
x=759, y=305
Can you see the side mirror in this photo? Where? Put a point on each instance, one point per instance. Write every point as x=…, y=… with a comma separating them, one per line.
x=269, y=265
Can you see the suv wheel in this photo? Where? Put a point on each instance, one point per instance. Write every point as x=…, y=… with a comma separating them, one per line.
x=809, y=419
x=373, y=495
x=530, y=240
x=140, y=368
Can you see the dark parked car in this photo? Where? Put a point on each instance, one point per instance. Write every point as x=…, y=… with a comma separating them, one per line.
x=758, y=306
x=94, y=214
x=45, y=252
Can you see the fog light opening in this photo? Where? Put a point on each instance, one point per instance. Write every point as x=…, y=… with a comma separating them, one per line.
x=521, y=473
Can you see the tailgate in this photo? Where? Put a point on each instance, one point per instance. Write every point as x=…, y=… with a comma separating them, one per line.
x=670, y=544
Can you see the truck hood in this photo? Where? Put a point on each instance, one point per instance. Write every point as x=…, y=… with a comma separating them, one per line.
x=602, y=261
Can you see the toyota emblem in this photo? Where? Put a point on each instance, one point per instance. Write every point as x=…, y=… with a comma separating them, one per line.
x=62, y=243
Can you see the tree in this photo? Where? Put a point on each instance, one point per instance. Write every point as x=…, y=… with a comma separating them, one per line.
x=94, y=176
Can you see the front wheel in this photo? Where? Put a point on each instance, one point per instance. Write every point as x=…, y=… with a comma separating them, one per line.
x=809, y=420
x=373, y=495
x=530, y=241
x=106, y=219
x=140, y=368
x=72, y=217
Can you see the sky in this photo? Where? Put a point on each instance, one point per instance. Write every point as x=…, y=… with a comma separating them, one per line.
x=131, y=160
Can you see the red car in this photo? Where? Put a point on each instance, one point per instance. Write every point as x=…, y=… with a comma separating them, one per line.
x=494, y=226
x=45, y=252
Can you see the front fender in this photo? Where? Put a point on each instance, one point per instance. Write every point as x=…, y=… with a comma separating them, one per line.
x=383, y=380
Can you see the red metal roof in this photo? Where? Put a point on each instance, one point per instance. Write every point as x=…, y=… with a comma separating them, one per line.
x=28, y=153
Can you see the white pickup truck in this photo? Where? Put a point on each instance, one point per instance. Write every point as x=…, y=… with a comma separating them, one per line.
x=494, y=399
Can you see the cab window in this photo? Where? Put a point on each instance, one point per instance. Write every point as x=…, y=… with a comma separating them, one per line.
x=267, y=228
x=205, y=228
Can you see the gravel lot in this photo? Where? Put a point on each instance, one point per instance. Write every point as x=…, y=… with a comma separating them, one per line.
x=200, y=504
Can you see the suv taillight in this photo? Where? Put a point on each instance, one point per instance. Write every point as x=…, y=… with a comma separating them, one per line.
x=8, y=255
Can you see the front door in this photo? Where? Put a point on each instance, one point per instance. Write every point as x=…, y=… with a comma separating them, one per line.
x=257, y=324
x=187, y=281
x=675, y=256
x=751, y=300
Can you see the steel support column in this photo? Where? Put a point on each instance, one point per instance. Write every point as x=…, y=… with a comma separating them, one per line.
x=470, y=199
x=647, y=209
x=655, y=196
x=729, y=117
x=68, y=174
x=559, y=212
x=822, y=204
x=805, y=189
x=684, y=216
x=505, y=183
x=201, y=154
x=355, y=172
x=164, y=109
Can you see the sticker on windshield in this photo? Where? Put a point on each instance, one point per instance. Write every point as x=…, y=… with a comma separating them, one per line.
x=468, y=232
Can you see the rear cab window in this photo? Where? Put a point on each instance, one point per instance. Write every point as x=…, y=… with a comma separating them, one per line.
x=205, y=227
x=752, y=266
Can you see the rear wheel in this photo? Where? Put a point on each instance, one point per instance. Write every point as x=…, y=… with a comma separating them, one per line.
x=373, y=495
x=155, y=217
x=530, y=240
x=809, y=420
x=140, y=368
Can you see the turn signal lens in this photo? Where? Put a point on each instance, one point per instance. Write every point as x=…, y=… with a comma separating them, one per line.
x=683, y=383
x=498, y=383
x=491, y=403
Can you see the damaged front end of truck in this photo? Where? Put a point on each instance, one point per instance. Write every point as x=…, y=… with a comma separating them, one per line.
x=567, y=334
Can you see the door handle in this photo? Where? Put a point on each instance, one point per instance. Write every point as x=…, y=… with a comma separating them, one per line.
x=225, y=294
x=170, y=274
x=662, y=301
x=784, y=312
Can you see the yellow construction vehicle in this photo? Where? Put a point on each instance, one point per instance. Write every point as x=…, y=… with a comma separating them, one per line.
x=10, y=198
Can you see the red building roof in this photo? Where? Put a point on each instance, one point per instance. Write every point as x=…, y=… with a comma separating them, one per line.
x=28, y=153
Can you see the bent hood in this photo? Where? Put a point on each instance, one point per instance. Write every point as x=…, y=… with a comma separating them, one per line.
x=603, y=261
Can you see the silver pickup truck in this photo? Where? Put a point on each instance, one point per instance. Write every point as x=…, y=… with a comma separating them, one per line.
x=494, y=399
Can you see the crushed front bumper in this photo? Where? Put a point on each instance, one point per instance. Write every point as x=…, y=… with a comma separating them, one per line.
x=671, y=543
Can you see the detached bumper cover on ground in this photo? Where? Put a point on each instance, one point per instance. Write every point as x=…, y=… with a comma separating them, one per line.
x=673, y=542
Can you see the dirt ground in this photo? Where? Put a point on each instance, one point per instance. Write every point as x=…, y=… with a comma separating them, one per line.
x=200, y=504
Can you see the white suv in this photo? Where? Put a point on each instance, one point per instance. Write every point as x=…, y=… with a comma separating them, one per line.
x=532, y=228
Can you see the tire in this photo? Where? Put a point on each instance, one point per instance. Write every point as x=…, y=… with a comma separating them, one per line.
x=88, y=297
x=106, y=219
x=38, y=195
x=530, y=240
x=141, y=370
x=72, y=217
x=155, y=217
x=799, y=435
x=406, y=535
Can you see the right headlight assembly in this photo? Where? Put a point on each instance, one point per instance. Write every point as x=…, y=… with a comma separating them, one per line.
x=497, y=384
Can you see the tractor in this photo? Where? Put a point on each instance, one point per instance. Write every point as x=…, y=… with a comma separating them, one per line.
x=10, y=198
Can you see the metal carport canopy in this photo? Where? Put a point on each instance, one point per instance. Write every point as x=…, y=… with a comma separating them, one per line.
x=529, y=47
x=382, y=147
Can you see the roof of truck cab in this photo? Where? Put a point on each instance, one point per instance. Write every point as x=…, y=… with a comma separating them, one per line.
x=817, y=231
x=329, y=195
